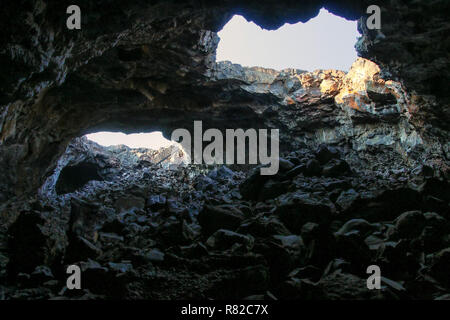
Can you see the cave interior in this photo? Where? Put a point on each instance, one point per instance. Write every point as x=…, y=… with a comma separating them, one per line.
x=363, y=156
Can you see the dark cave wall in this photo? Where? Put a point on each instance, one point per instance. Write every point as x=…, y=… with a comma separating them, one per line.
x=414, y=47
x=145, y=63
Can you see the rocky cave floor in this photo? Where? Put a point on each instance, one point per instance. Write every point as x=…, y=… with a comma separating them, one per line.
x=147, y=230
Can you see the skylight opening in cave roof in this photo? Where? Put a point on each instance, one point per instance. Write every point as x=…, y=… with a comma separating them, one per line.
x=324, y=42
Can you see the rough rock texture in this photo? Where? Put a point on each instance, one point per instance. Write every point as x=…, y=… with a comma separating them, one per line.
x=363, y=180
x=143, y=66
x=149, y=231
x=358, y=109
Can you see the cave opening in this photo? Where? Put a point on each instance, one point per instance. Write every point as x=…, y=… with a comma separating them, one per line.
x=149, y=140
x=324, y=42
x=96, y=159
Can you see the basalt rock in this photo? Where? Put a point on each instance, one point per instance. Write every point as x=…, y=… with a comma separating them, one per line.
x=214, y=218
x=145, y=224
x=60, y=83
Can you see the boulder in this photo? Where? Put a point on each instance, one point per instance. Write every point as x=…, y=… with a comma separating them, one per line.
x=263, y=227
x=313, y=168
x=213, y=218
x=346, y=199
x=295, y=209
x=325, y=153
x=439, y=268
x=359, y=226
x=336, y=168
x=224, y=239
x=410, y=224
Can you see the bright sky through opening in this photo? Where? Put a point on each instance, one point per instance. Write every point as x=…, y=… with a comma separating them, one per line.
x=324, y=42
x=153, y=140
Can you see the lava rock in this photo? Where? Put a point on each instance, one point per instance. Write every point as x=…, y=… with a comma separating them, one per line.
x=313, y=168
x=263, y=227
x=41, y=274
x=154, y=255
x=204, y=183
x=222, y=174
x=310, y=230
x=224, y=239
x=299, y=289
x=293, y=242
x=102, y=280
x=296, y=209
x=346, y=199
x=295, y=171
x=241, y=282
x=156, y=202
x=359, y=226
x=251, y=187
x=326, y=153
x=410, y=224
x=439, y=268
x=273, y=189
x=345, y=286
x=213, y=218
x=285, y=165
x=336, y=168
x=80, y=249
x=128, y=203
